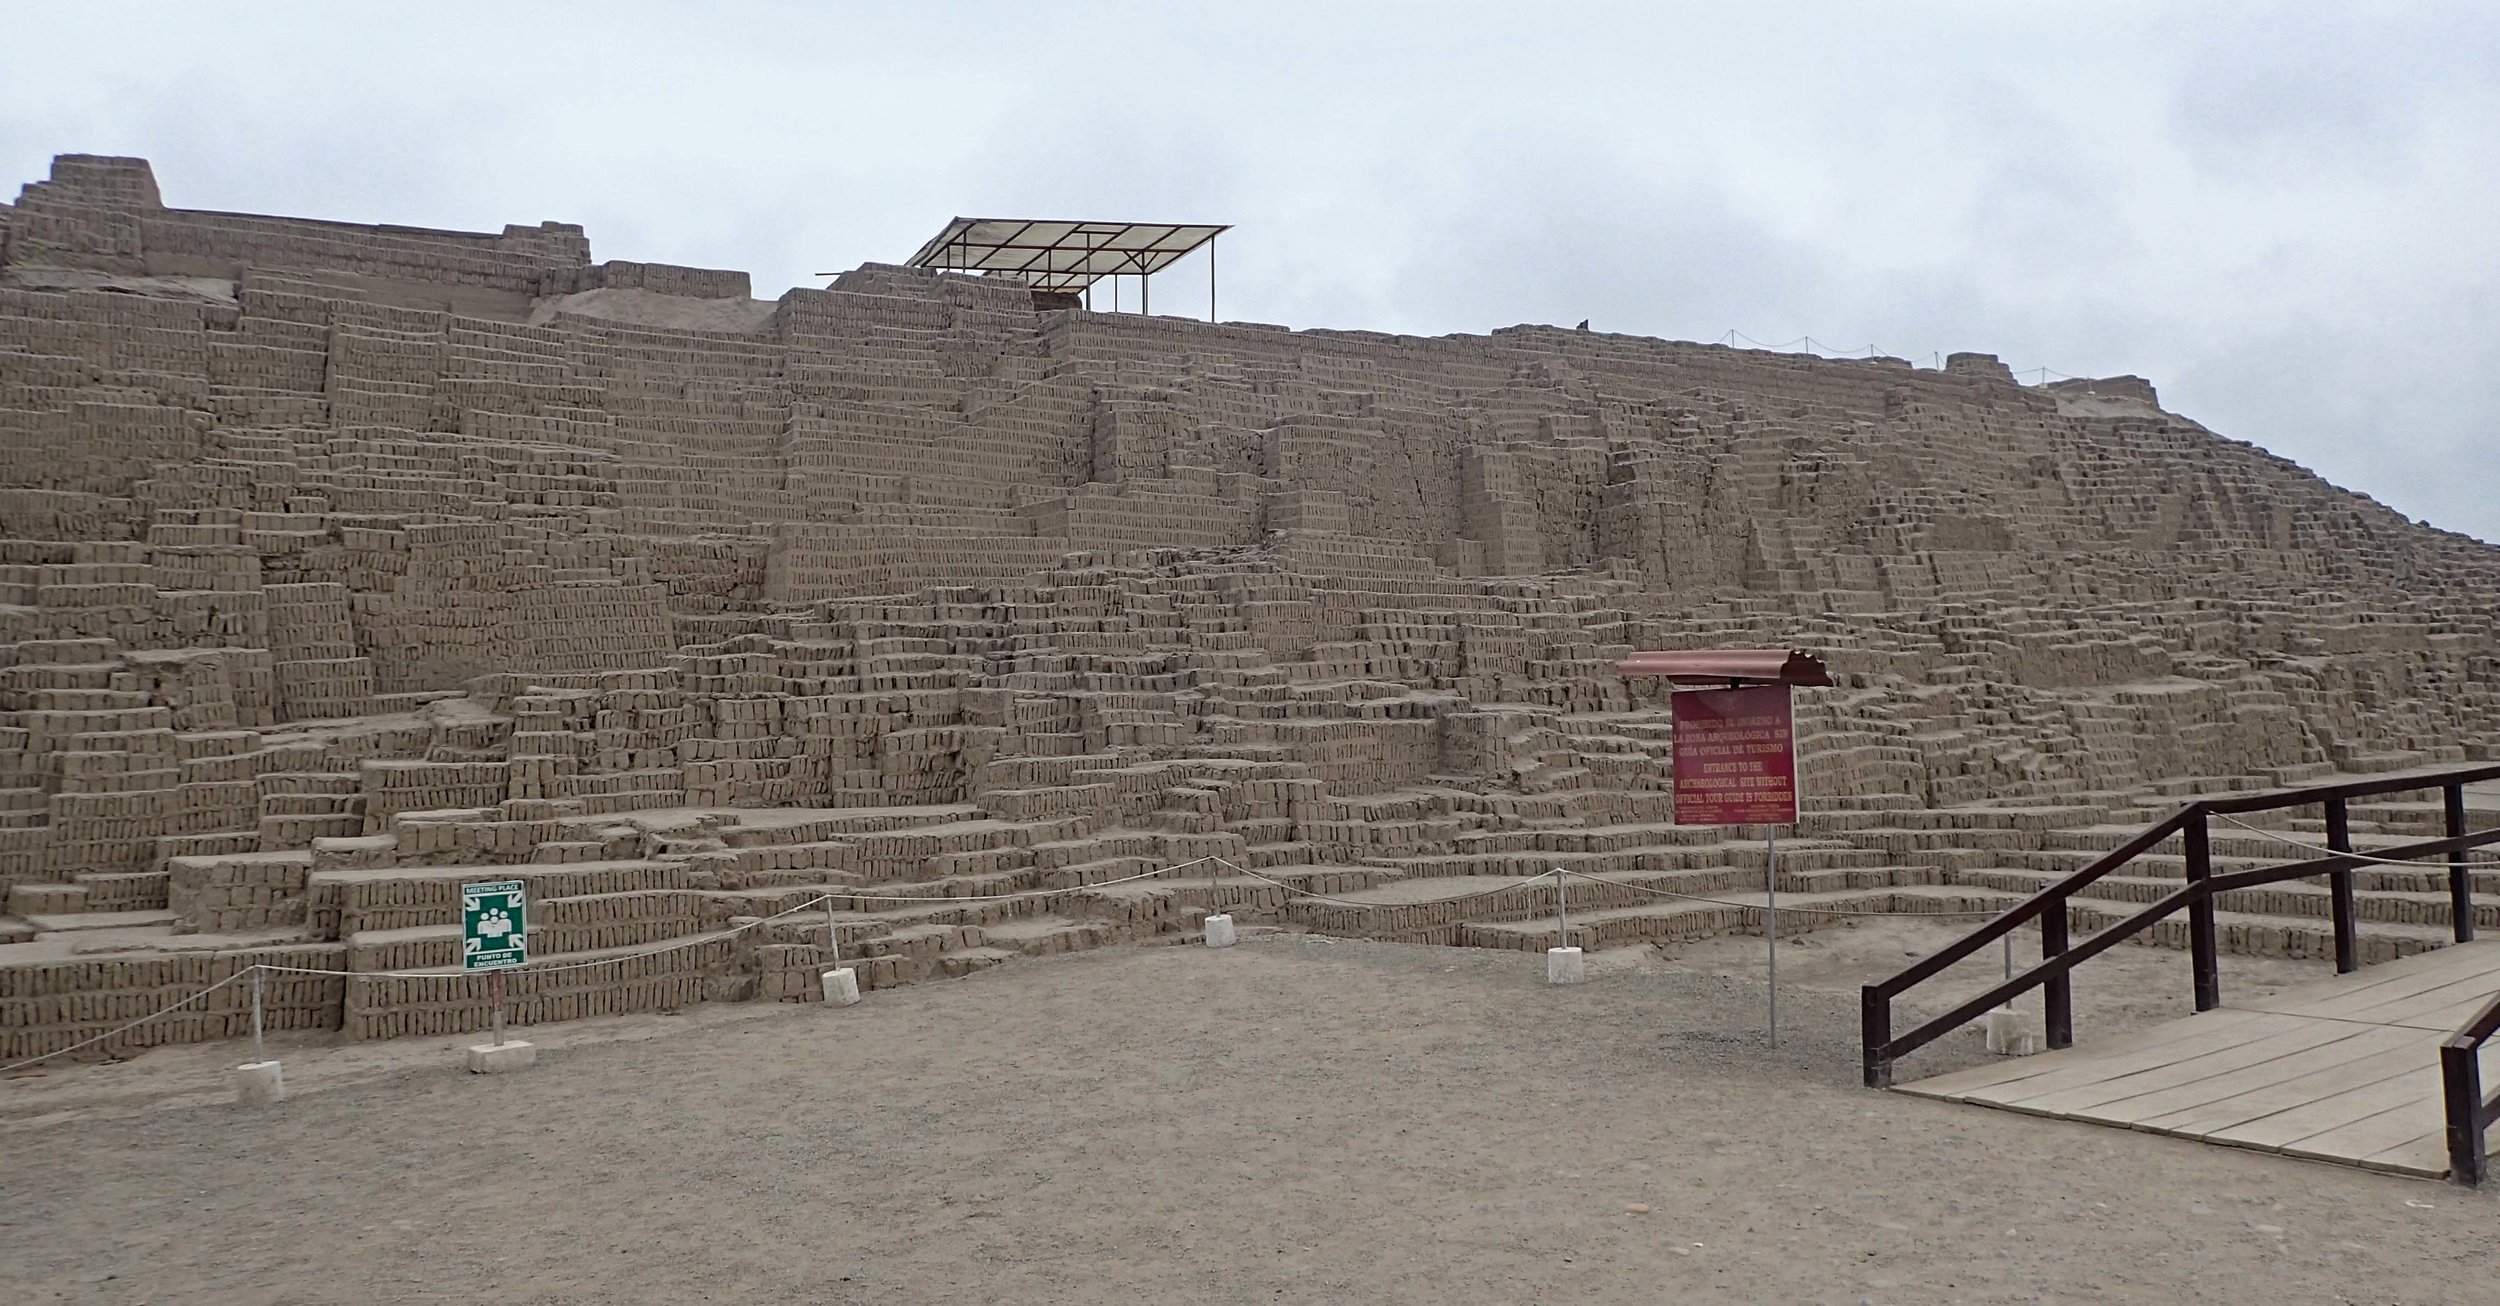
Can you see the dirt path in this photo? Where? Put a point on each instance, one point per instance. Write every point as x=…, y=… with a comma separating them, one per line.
x=1294, y=1120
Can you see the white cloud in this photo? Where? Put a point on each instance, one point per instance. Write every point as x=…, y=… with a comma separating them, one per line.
x=2280, y=213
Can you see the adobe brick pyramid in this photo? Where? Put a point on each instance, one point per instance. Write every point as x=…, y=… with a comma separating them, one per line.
x=341, y=564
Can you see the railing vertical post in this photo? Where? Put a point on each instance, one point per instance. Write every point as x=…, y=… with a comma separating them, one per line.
x=260, y=1054
x=2461, y=1091
x=2339, y=887
x=2460, y=880
x=1875, y=1035
x=2204, y=951
x=2057, y=994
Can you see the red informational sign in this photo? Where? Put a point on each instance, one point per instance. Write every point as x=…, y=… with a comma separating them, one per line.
x=1735, y=757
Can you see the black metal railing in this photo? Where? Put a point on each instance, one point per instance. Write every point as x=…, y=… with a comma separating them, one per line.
x=2470, y=1114
x=1881, y=1048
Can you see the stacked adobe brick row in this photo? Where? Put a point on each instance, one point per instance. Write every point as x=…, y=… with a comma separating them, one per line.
x=339, y=562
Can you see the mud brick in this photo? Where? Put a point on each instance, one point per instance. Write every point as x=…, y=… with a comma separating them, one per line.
x=397, y=556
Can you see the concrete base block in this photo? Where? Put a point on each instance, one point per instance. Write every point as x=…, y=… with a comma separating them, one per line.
x=2010, y=1033
x=841, y=987
x=258, y=1083
x=1220, y=932
x=489, y=1059
x=1565, y=966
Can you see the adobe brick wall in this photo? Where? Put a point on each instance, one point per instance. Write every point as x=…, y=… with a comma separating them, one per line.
x=332, y=575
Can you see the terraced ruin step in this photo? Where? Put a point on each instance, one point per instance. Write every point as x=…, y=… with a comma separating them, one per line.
x=327, y=588
x=98, y=922
x=2426, y=904
x=1686, y=921
x=2251, y=934
x=561, y=986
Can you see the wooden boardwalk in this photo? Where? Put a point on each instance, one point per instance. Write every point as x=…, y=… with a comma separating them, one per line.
x=2344, y=1070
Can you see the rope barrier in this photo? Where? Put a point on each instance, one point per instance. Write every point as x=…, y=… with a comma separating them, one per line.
x=819, y=901
x=558, y=969
x=825, y=900
x=1808, y=911
x=1736, y=339
x=1597, y=879
x=1521, y=882
x=118, y=1032
x=1041, y=893
x=2419, y=864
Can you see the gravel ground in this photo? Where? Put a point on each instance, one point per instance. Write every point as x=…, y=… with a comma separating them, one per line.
x=1295, y=1120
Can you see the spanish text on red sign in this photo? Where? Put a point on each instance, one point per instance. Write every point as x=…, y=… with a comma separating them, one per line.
x=1735, y=757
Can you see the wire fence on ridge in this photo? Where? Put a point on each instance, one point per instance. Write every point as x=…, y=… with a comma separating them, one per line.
x=1736, y=339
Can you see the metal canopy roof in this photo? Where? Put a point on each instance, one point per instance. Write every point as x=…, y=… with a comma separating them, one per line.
x=1062, y=256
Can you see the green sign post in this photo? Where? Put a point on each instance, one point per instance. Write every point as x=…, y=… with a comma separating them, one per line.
x=494, y=935
x=494, y=925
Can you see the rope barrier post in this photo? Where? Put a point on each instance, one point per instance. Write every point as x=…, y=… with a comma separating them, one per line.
x=261, y=1082
x=2006, y=1032
x=1217, y=929
x=839, y=983
x=1564, y=964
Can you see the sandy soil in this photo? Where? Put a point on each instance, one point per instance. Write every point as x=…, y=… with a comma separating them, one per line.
x=1294, y=1120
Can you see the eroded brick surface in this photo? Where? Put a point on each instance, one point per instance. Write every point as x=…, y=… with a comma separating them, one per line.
x=339, y=564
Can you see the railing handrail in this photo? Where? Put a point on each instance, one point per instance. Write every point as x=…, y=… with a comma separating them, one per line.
x=2189, y=820
x=2110, y=936
x=2485, y=1024
x=2469, y=1112
x=2005, y=923
x=2152, y=836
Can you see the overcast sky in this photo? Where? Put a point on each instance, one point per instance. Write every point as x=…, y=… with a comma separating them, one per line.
x=2285, y=215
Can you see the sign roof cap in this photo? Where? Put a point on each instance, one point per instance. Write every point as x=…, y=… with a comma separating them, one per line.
x=1741, y=666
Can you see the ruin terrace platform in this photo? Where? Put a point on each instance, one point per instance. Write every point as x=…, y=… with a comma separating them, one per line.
x=338, y=561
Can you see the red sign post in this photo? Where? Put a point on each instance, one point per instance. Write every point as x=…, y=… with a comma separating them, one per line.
x=1736, y=752
x=1735, y=757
